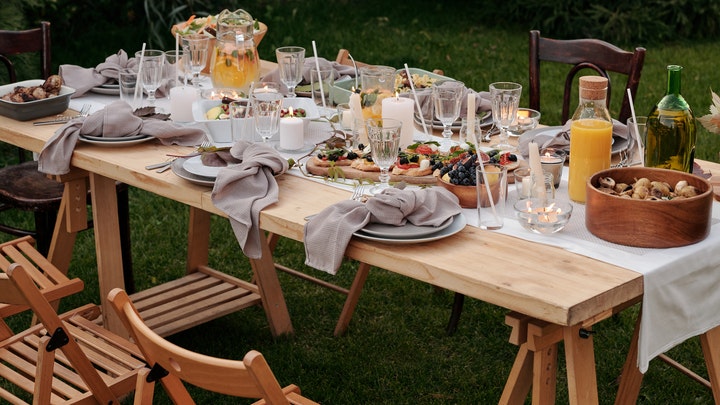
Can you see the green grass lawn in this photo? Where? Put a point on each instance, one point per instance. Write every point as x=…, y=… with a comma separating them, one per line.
x=397, y=351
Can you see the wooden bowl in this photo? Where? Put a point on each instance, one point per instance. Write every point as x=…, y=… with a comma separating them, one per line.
x=648, y=223
x=468, y=194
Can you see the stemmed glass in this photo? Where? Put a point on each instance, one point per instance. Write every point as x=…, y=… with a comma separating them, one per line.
x=291, y=60
x=447, y=97
x=151, y=71
x=384, y=137
x=195, y=50
x=266, y=112
x=505, y=97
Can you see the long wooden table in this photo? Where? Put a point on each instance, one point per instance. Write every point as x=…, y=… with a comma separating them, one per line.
x=557, y=298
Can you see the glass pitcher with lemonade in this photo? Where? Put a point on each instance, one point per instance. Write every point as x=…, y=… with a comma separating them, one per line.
x=235, y=62
x=377, y=83
x=590, y=135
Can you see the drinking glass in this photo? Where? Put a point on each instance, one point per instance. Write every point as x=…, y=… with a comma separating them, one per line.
x=195, y=47
x=384, y=138
x=447, y=97
x=151, y=71
x=505, y=97
x=266, y=113
x=291, y=60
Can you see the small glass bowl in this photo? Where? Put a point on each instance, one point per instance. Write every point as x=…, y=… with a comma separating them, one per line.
x=543, y=217
x=527, y=120
x=220, y=93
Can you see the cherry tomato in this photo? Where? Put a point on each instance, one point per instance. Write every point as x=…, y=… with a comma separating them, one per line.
x=424, y=150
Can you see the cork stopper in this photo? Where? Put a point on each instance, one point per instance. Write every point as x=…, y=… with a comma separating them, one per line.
x=593, y=87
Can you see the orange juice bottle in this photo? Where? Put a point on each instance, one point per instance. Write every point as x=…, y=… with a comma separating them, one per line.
x=590, y=136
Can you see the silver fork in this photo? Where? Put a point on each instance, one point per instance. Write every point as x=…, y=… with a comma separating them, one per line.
x=358, y=193
x=84, y=112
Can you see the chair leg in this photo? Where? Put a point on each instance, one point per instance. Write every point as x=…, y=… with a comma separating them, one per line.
x=44, y=228
x=123, y=199
x=457, y=308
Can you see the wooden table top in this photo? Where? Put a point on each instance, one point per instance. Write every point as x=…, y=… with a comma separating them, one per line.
x=540, y=281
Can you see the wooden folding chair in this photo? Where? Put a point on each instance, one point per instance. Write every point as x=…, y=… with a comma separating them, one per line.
x=67, y=358
x=171, y=364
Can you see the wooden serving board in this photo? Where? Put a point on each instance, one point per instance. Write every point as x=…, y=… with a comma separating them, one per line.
x=351, y=173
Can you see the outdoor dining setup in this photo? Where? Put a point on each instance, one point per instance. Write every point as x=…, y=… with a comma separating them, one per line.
x=395, y=168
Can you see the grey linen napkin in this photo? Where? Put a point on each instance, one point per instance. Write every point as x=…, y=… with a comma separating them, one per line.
x=341, y=71
x=561, y=139
x=243, y=190
x=328, y=233
x=83, y=79
x=115, y=120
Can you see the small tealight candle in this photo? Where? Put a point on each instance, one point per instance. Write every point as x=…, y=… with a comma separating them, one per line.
x=181, y=101
x=401, y=109
x=291, y=132
x=552, y=162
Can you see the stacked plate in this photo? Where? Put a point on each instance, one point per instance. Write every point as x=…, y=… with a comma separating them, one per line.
x=193, y=170
x=410, y=233
x=114, y=142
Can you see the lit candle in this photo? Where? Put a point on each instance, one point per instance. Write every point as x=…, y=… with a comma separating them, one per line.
x=181, y=101
x=291, y=132
x=356, y=110
x=401, y=109
x=470, y=118
x=553, y=163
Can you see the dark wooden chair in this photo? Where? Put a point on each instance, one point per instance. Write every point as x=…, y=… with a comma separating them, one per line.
x=22, y=186
x=594, y=54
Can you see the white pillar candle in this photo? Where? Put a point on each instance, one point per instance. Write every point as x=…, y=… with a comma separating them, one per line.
x=401, y=109
x=291, y=132
x=181, y=101
x=346, y=119
x=470, y=118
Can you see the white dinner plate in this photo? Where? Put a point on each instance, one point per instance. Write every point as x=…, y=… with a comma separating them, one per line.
x=177, y=168
x=115, y=142
x=107, y=89
x=619, y=144
x=195, y=166
x=457, y=225
x=407, y=231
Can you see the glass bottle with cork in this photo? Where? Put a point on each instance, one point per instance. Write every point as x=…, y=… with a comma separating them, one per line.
x=671, y=129
x=590, y=135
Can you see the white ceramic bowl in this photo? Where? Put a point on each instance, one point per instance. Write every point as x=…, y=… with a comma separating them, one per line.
x=220, y=130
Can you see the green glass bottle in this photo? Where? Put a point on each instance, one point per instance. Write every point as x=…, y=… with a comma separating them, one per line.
x=671, y=129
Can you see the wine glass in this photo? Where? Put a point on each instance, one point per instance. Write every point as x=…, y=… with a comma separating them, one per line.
x=266, y=113
x=195, y=48
x=151, y=71
x=384, y=138
x=505, y=97
x=291, y=60
x=447, y=97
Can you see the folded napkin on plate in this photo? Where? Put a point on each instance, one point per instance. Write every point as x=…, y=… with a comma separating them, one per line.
x=83, y=79
x=341, y=71
x=115, y=120
x=243, y=190
x=561, y=139
x=328, y=233
x=482, y=102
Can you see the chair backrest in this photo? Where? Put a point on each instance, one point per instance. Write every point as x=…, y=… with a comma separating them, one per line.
x=53, y=283
x=117, y=359
x=250, y=378
x=594, y=54
x=32, y=40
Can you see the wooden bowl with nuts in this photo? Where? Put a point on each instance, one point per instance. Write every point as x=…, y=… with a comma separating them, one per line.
x=648, y=207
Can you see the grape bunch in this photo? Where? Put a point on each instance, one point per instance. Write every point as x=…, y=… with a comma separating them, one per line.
x=461, y=173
